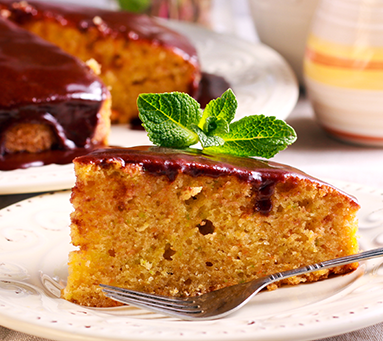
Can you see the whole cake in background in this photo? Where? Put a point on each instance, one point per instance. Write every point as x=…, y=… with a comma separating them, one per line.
x=136, y=54
x=183, y=223
x=48, y=99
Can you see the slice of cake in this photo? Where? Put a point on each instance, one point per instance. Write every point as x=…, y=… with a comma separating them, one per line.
x=136, y=54
x=49, y=100
x=182, y=223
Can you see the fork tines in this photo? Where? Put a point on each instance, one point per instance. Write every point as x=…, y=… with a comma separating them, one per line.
x=156, y=302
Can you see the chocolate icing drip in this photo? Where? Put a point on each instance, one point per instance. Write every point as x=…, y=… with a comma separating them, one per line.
x=72, y=122
x=262, y=175
x=107, y=24
x=42, y=84
x=170, y=162
x=35, y=71
x=263, y=193
x=26, y=160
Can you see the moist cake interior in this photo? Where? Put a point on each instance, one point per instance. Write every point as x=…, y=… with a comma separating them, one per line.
x=183, y=224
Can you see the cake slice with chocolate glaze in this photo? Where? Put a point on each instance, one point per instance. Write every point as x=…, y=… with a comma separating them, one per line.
x=49, y=100
x=137, y=54
x=183, y=223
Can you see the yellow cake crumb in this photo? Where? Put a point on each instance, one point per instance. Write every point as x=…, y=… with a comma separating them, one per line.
x=201, y=233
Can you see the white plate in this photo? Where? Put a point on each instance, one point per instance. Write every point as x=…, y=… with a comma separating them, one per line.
x=34, y=237
x=56, y=177
x=261, y=79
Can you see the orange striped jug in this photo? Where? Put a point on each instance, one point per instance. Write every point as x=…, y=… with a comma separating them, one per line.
x=343, y=69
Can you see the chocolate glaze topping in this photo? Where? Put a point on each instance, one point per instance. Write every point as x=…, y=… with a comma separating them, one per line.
x=42, y=84
x=25, y=160
x=263, y=175
x=108, y=23
x=170, y=162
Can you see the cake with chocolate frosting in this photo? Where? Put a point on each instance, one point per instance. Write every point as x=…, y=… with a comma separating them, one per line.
x=49, y=100
x=183, y=223
x=136, y=54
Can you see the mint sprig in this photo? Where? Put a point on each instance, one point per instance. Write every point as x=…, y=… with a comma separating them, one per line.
x=170, y=118
x=221, y=109
x=256, y=135
x=176, y=120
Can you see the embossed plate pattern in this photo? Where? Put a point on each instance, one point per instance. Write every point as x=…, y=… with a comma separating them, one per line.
x=261, y=79
x=34, y=239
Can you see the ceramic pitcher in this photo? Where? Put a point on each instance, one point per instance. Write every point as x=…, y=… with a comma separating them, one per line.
x=343, y=69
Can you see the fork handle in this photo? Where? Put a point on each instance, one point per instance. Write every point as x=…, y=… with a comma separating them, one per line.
x=374, y=253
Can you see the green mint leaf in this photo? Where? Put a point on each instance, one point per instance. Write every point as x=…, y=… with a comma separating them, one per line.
x=168, y=117
x=176, y=120
x=216, y=126
x=137, y=6
x=207, y=140
x=256, y=135
x=223, y=107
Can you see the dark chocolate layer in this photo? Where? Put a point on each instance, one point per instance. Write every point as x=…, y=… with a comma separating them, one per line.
x=170, y=162
x=263, y=175
x=42, y=84
x=107, y=23
x=26, y=160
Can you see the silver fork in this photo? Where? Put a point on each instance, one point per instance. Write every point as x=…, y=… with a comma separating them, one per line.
x=222, y=302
